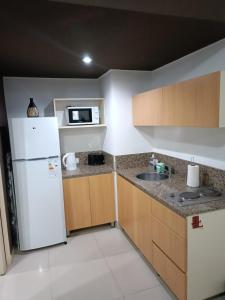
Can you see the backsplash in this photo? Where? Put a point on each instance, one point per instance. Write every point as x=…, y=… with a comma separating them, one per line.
x=83, y=157
x=216, y=176
x=132, y=160
x=179, y=165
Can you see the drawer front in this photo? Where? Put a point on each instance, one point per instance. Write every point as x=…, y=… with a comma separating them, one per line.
x=169, y=218
x=170, y=273
x=173, y=245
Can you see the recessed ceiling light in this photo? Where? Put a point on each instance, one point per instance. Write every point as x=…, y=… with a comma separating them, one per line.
x=87, y=59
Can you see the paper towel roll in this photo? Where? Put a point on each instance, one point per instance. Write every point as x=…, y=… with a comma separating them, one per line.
x=193, y=176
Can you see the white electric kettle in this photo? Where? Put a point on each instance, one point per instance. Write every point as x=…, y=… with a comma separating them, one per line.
x=69, y=161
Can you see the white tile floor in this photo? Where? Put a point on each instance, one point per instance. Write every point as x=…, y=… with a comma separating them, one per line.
x=99, y=265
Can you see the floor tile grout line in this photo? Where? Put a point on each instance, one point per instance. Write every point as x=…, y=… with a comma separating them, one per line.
x=132, y=293
x=119, y=252
x=123, y=252
x=143, y=290
x=111, y=272
x=50, y=275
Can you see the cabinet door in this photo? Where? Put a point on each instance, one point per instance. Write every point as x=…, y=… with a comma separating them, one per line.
x=77, y=203
x=147, y=108
x=142, y=222
x=208, y=100
x=126, y=206
x=102, y=198
x=179, y=104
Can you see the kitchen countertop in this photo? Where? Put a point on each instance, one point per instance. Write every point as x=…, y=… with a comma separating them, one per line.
x=161, y=189
x=86, y=170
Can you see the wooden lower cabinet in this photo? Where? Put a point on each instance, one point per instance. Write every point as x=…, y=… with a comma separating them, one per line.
x=126, y=206
x=173, y=221
x=135, y=215
x=158, y=232
x=169, y=272
x=142, y=222
x=77, y=203
x=89, y=201
x=102, y=199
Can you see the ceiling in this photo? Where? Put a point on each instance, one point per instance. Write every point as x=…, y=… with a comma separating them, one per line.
x=49, y=38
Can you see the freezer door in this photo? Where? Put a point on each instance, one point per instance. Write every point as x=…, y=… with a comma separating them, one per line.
x=39, y=200
x=34, y=137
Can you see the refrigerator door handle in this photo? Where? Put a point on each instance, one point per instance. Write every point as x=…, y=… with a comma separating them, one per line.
x=39, y=158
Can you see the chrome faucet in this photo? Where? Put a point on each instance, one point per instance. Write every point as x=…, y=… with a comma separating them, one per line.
x=169, y=170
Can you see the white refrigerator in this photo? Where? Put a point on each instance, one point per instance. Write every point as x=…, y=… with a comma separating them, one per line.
x=38, y=182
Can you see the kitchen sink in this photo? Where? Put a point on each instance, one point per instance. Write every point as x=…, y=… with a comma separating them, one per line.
x=152, y=176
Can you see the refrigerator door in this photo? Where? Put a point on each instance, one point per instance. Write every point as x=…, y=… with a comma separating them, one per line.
x=39, y=201
x=34, y=138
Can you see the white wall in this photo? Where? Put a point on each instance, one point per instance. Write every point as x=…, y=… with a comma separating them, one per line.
x=18, y=90
x=117, y=89
x=207, y=145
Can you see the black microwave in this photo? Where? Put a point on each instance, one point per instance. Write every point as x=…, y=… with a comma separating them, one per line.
x=82, y=115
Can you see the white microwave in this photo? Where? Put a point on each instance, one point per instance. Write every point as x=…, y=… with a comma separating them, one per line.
x=82, y=115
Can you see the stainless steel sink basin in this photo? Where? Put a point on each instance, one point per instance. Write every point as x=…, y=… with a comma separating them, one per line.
x=152, y=176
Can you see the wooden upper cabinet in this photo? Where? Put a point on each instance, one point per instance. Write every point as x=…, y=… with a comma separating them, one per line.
x=145, y=110
x=198, y=102
x=102, y=199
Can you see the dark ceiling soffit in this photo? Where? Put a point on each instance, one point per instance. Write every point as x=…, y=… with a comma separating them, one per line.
x=200, y=9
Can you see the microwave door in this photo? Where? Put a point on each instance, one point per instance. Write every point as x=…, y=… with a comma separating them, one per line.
x=80, y=116
x=85, y=115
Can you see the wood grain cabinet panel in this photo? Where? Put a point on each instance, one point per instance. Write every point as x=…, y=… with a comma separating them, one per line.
x=135, y=215
x=198, y=102
x=142, y=222
x=89, y=201
x=147, y=108
x=171, y=274
x=171, y=244
x=179, y=105
x=172, y=220
x=102, y=199
x=77, y=203
x=209, y=100
x=126, y=206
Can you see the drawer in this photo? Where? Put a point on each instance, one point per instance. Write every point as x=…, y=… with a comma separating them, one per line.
x=173, y=245
x=170, y=273
x=169, y=218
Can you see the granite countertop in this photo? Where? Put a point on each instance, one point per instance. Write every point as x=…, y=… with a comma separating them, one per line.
x=161, y=189
x=86, y=170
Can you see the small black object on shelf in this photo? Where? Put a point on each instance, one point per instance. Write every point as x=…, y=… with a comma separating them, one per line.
x=95, y=159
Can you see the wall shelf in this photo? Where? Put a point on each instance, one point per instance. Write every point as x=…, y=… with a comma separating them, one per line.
x=82, y=126
x=57, y=109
